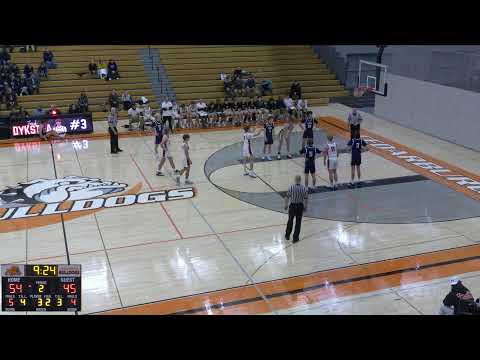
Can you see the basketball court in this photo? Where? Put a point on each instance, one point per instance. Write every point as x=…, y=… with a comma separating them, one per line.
x=386, y=248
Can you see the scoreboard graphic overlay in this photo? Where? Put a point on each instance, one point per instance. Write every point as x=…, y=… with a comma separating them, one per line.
x=41, y=287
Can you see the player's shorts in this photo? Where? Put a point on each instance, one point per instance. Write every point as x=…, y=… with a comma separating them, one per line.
x=247, y=152
x=310, y=167
x=158, y=139
x=356, y=161
x=308, y=134
x=269, y=140
x=332, y=164
x=166, y=153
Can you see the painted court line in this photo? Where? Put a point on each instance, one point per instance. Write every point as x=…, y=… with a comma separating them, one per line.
x=308, y=289
x=437, y=170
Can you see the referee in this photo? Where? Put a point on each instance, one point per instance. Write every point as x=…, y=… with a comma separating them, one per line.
x=297, y=195
x=112, y=130
x=354, y=120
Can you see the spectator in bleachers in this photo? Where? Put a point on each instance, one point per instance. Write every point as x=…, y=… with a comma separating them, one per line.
x=250, y=86
x=102, y=69
x=54, y=110
x=19, y=115
x=127, y=100
x=92, y=67
x=112, y=71
x=134, y=117
x=73, y=109
x=4, y=57
x=48, y=59
x=33, y=84
x=83, y=103
x=295, y=90
x=113, y=99
x=38, y=112
x=23, y=87
x=43, y=71
x=266, y=87
x=27, y=70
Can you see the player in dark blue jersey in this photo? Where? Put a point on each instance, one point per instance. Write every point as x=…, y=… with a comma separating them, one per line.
x=158, y=127
x=310, y=151
x=357, y=145
x=269, y=131
x=308, y=123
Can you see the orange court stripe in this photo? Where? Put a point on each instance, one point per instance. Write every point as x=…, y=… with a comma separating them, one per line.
x=338, y=127
x=294, y=291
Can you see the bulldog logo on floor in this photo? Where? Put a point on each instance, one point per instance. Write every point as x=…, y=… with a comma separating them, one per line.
x=43, y=202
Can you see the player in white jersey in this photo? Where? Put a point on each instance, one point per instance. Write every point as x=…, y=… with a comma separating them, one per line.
x=247, y=150
x=330, y=157
x=186, y=162
x=284, y=135
x=166, y=154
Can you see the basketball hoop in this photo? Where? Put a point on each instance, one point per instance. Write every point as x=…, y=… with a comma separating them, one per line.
x=359, y=91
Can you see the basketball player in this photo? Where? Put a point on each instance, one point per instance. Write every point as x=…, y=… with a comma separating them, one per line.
x=284, y=135
x=247, y=150
x=330, y=161
x=158, y=129
x=269, y=131
x=186, y=162
x=165, y=144
x=310, y=151
x=357, y=145
x=310, y=123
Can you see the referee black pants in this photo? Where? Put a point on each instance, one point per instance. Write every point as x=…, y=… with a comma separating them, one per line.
x=294, y=211
x=354, y=128
x=113, y=140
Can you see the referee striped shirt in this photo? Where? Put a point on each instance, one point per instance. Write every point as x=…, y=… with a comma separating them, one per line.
x=297, y=194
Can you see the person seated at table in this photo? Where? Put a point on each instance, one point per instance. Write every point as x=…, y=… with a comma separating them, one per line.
x=92, y=67
x=112, y=71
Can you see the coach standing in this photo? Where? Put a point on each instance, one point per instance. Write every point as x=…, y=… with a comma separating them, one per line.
x=297, y=195
x=354, y=120
x=112, y=130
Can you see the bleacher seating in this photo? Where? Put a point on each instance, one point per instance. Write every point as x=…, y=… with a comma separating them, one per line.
x=71, y=77
x=194, y=71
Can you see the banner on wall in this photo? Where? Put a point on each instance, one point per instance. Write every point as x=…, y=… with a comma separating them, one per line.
x=63, y=124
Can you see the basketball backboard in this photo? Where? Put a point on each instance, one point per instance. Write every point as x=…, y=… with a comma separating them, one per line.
x=372, y=76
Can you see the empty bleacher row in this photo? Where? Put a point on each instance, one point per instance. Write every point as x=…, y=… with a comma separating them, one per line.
x=194, y=71
x=71, y=77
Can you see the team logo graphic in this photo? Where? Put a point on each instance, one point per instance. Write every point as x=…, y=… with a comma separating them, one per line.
x=13, y=271
x=43, y=202
x=57, y=190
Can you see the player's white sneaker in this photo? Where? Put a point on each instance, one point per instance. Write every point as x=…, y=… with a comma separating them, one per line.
x=263, y=157
x=289, y=156
x=159, y=173
x=279, y=157
x=269, y=158
x=252, y=174
x=245, y=173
